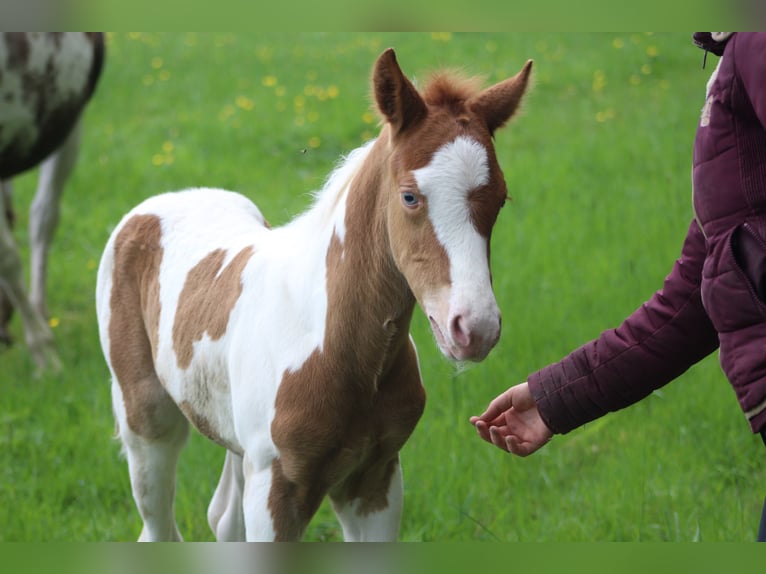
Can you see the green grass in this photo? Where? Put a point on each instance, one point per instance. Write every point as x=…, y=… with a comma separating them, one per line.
x=598, y=167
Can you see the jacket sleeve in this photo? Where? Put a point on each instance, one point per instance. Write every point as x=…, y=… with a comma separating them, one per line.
x=653, y=346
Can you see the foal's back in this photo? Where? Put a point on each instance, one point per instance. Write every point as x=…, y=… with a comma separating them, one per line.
x=168, y=281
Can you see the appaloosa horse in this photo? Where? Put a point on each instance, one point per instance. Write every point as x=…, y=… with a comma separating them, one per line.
x=290, y=346
x=45, y=81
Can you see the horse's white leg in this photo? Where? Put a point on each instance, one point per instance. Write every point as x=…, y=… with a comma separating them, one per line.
x=225, y=514
x=37, y=333
x=152, y=464
x=44, y=213
x=259, y=526
x=276, y=508
x=376, y=516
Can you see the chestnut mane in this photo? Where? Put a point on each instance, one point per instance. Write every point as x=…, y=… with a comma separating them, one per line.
x=448, y=88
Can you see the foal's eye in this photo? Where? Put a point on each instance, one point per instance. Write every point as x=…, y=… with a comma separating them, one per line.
x=409, y=199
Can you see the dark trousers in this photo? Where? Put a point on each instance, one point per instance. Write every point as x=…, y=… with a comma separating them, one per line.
x=762, y=527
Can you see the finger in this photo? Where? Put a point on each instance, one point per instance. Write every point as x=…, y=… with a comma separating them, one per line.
x=483, y=430
x=525, y=447
x=518, y=447
x=497, y=407
x=497, y=438
x=498, y=421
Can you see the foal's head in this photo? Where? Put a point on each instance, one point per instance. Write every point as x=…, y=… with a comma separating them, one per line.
x=445, y=189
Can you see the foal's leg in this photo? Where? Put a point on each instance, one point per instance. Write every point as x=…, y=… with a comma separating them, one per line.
x=6, y=212
x=259, y=526
x=44, y=213
x=276, y=508
x=225, y=514
x=6, y=201
x=37, y=333
x=369, y=506
x=152, y=450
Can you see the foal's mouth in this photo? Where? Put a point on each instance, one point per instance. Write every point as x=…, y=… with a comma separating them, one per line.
x=441, y=340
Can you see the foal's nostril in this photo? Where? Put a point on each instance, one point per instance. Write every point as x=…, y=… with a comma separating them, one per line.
x=460, y=335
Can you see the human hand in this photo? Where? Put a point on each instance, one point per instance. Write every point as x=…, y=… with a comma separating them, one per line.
x=513, y=423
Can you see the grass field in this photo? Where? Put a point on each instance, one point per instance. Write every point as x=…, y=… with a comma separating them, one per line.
x=598, y=166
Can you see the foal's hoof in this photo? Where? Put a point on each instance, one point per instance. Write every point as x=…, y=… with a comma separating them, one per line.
x=47, y=361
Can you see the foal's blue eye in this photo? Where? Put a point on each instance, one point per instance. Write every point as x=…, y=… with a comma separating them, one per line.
x=410, y=199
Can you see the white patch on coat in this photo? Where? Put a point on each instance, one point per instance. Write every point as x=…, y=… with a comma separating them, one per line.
x=457, y=169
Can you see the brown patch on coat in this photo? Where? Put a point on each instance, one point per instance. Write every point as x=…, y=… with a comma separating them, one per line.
x=343, y=416
x=296, y=504
x=134, y=327
x=486, y=202
x=206, y=301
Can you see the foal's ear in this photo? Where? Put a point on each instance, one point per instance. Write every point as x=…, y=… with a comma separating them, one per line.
x=498, y=103
x=397, y=98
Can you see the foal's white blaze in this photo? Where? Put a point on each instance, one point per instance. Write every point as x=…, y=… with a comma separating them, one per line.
x=466, y=322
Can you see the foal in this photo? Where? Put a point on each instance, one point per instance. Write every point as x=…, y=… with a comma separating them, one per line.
x=290, y=346
x=45, y=81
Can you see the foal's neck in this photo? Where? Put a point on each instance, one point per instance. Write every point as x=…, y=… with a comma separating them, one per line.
x=369, y=302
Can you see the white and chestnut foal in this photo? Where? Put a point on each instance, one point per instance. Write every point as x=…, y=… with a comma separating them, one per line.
x=46, y=79
x=290, y=346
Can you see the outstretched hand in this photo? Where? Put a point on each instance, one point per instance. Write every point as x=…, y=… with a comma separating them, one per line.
x=513, y=423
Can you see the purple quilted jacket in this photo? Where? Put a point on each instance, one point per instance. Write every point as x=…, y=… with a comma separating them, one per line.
x=715, y=294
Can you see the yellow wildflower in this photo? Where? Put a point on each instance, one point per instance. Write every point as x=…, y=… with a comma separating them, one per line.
x=604, y=115
x=245, y=103
x=599, y=81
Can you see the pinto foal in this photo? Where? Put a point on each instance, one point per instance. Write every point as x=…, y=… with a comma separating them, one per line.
x=46, y=79
x=290, y=346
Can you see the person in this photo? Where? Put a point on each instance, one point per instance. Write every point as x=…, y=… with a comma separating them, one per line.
x=713, y=298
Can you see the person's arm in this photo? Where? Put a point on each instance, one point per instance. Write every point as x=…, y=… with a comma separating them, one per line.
x=654, y=345
x=657, y=343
